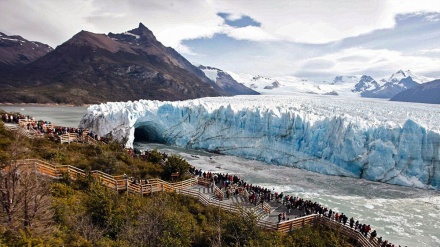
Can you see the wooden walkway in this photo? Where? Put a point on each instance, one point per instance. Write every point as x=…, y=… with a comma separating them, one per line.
x=203, y=191
x=31, y=133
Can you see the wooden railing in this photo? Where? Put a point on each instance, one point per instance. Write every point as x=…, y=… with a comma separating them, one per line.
x=118, y=183
x=68, y=137
x=289, y=225
x=218, y=193
x=205, y=200
x=348, y=232
x=21, y=131
x=90, y=140
x=266, y=207
x=245, y=194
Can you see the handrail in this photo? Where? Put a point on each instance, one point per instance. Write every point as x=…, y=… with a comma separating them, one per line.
x=244, y=193
x=114, y=182
x=266, y=207
x=218, y=193
x=349, y=232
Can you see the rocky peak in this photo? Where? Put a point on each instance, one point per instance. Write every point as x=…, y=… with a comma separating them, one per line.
x=138, y=36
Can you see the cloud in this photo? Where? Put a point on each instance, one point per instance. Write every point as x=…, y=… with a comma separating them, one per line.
x=251, y=33
x=358, y=61
x=319, y=21
x=303, y=21
x=428, y=51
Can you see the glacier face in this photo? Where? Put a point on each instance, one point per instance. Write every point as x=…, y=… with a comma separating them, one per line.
x=392, y=142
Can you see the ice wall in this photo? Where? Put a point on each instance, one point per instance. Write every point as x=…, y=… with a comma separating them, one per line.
x=372, y=139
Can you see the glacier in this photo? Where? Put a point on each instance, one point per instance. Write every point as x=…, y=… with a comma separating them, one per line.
x=378, y=140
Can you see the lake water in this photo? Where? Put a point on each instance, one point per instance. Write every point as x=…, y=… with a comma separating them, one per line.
x=403, y=215
x=66, y=116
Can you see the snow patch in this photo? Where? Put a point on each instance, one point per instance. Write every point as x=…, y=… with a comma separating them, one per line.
x=132, y=34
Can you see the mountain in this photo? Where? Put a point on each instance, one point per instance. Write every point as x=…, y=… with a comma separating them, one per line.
x=398, y=82
x=425, y=93
x=94, y=68
x=16, y=51
x=226, y=82
x=365, y=83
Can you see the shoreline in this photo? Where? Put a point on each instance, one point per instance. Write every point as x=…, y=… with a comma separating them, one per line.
x=43, y=105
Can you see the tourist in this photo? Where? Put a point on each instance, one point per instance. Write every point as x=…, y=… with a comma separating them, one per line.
x=373, y=235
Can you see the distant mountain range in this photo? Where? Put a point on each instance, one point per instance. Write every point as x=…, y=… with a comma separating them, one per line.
x=346, y=86
x=94, y=68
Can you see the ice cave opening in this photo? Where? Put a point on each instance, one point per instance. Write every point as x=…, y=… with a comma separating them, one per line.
x=148, y=132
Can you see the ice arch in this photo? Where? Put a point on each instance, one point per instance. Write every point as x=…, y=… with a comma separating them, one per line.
x=149, y=131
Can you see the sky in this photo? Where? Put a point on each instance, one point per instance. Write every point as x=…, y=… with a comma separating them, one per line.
x=304, y=38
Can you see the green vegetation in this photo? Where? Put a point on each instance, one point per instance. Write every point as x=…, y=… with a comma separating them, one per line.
x=37, y=211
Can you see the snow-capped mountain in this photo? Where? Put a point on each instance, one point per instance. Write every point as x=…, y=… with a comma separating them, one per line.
x=366, y=83
x=225, y=81
x=396, y=83
x=345, y=86
x=399, y=75
x=285, y=85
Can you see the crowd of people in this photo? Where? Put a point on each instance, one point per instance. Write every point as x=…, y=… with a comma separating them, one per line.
x=258, y=194
x=42, y=127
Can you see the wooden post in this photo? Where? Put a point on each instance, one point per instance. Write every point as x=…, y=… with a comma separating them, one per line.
x=126, y=185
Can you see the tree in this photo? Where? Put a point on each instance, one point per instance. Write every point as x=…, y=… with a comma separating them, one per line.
x=26, y=201
x=175, y=164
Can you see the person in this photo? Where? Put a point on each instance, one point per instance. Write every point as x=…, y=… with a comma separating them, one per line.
x=379, y=240
x=280, y=216
x=351, y=222
x=367, y=229
x=373, y=235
